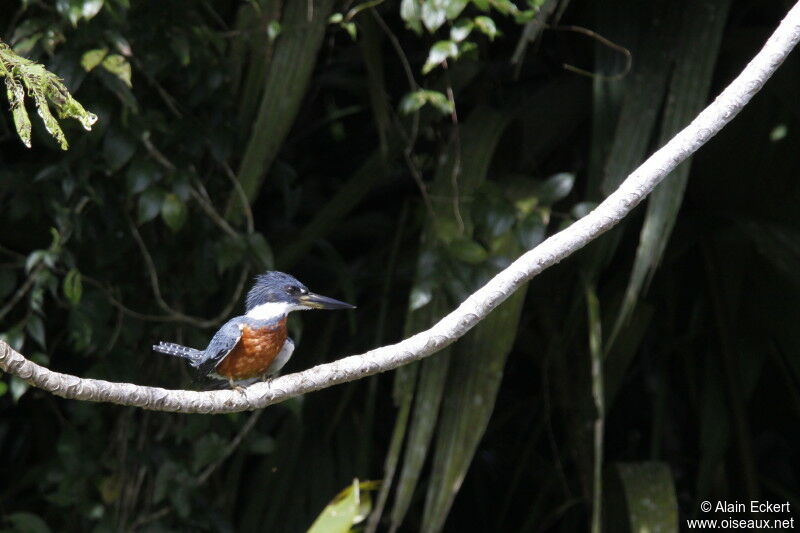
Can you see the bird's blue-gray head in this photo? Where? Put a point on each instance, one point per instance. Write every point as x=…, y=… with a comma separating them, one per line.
x=274, y=294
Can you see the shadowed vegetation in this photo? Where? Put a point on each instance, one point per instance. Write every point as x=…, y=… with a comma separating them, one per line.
x=396, y=155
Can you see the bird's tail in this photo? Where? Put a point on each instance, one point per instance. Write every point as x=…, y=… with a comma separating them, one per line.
x=178, y=350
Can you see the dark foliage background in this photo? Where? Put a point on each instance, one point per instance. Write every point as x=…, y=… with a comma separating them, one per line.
x=667, y=358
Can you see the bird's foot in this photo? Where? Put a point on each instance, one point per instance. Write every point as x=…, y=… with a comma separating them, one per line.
x=237, y=388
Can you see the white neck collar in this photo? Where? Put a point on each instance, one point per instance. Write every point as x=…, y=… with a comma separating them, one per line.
x=273, y=310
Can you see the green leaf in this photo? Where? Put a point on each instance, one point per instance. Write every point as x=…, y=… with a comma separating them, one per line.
x=3, y=388
x=640, y=497
x=453, y=8
x=118, y=148
x=173, y=211
x=273, y=30
x=350, y=28
x=411, y=13
x=470, y=395
x=35, y=328
x=420, y=297
x=16, y=99
x=555, y=188
x=27, y=522
x=530, y=231
x=433, y=15
x=440, y=52
x=14, y=337
x=50, y=122
x=494, y=215
x=349, y=508
x=688, y=91
x=92, y=58
x=77, y=10
x=21, y=76
x=486, y=26
x=119, y=67
x=412, y=102
x=581, y=209
x=73, y=286
x=461, y=30
x=466, y=47
x=149, y=205
x=141, y=174
x=336, y=18
x=506, y=7
x=18, y=388
x=468, y=251
x=34, y=258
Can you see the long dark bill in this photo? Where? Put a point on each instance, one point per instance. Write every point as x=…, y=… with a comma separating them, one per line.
x=317, y=301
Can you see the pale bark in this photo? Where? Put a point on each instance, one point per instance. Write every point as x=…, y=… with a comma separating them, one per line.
x=632, y=191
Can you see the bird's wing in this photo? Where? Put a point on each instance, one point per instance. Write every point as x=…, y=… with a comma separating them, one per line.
x=223, y=342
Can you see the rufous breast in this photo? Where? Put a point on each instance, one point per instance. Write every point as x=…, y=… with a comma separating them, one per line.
x=255, y=351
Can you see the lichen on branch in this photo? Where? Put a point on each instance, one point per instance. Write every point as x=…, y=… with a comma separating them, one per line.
x=25, y=76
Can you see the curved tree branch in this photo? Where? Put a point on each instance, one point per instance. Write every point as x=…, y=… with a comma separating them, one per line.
x=632, y=191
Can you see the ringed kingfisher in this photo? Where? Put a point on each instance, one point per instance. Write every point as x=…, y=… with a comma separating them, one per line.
x=255, y=345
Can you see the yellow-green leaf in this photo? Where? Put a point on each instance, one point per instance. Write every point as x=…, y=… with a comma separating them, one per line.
x=92, y=58
x=173, y=211
x=118, y=66
x=73, y=286
x=350, y=507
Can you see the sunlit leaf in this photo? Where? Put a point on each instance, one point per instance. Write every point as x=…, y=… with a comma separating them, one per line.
x=349, y=508
x=420, y=297
x=119, y=67
x=77, y=10
x=411, y=13
x=461, y=30
x=350, y=28
x=413, y=101
x=434, y=14
x=440, y=52
x=453, y=8
x=273, y=30
x=92, y=58
x=486, y=26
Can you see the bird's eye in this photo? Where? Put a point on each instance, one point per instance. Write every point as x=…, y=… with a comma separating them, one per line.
x=294, y=289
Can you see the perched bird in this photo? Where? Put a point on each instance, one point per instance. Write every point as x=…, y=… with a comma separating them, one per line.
x=255, y=345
